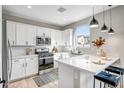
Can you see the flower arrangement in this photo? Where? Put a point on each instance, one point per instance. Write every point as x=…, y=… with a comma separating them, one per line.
x=99, y=42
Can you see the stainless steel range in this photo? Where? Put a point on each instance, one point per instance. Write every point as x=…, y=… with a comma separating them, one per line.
x=45, y=58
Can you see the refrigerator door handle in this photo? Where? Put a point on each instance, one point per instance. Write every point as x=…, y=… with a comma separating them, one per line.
x=10, y=63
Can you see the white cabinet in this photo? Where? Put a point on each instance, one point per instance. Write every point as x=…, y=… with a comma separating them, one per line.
x=25, y=34
x=21, y=34
x=56, y=36
x=31, y=66
x=31, y=35
x=11, y=32
x=24, y=67
x=18, y=70
x=67, y=37
x=41, y=31
x=59, y=37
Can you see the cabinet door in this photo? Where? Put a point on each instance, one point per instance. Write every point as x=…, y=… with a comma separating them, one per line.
x=53, y=37
x=56, y=37
x=47, y=32
x=21, y=34
x=31, y=35
x=31, y=66
x=18, y=69
x=59, y=37
x=67, y=37
x=41, y=31
x=11, y=32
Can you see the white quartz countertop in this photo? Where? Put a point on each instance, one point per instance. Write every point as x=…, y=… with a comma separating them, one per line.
x=24, y=56
x=81, y=63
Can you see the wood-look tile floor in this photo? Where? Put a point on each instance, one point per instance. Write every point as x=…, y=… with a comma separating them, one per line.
x=29, y=83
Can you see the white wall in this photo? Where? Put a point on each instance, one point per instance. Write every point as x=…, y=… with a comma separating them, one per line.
x=0, y=41
x=114, y=43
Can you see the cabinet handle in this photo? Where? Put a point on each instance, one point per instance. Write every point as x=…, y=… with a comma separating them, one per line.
x=16, y=61
x=26, y=64
x=13, y=42
x=23, y=65
x=26, y=42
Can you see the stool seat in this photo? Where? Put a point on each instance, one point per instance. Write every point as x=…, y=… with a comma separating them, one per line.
x=108, y=78
x=116, y=70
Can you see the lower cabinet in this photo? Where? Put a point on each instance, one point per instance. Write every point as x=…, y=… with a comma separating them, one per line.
x=24, y=67
x=18, y=69
x=31, y=66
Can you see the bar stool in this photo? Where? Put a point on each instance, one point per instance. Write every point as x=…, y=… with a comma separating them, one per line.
x=107, y=78
x=116, y=70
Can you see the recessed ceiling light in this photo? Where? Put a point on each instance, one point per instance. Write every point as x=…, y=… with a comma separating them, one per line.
x=29, y=6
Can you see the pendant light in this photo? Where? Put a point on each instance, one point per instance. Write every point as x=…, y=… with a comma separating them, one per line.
x=94, y=22
x=104, y=27
x=111, y=31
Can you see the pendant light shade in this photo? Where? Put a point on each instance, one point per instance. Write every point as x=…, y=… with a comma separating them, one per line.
x=104, y=27
x=94, y=22
x=110, y=31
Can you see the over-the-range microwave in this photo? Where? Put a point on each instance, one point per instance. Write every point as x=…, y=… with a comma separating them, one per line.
x=43, y=40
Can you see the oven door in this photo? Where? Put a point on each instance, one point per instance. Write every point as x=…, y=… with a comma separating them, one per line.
x=49, y=60
x=46, y=63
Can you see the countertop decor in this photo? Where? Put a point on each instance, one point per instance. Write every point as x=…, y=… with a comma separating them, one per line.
x=28, y=51
x=54, y=50
x=98, y=43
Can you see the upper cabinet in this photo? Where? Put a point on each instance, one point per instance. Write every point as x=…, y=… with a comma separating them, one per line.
x=31, y=35
x=11, y=32
x=67, y=37
x=26, y=34
x=56, y=36
x=21, y=34
x=41, y=31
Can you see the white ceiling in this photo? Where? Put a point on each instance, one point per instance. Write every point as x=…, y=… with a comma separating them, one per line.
x=49, y=13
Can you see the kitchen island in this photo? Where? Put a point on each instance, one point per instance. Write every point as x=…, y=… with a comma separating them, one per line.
x=76, y=72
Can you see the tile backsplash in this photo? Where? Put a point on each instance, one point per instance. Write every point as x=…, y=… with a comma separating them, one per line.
x=18, y=51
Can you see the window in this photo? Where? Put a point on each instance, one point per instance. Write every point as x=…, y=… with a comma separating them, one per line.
x=83, y=36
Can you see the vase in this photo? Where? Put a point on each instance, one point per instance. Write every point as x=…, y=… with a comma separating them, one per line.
x=100, y=52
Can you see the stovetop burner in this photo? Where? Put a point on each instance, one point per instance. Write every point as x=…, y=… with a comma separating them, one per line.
x=45, y=54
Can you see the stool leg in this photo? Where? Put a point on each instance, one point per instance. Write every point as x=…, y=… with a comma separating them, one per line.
x=94, y=83
x=100, y=84
x=122, y=80
x=104, y=85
